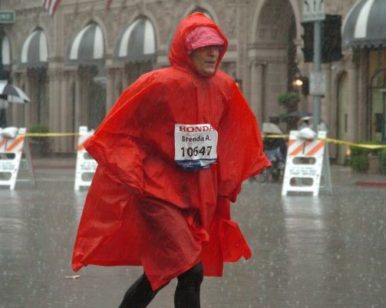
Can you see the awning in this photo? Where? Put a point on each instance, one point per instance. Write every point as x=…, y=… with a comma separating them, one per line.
x=88, y=46
x=34, y=52
x=5, y=52
x=365, y=25
x=137, y=42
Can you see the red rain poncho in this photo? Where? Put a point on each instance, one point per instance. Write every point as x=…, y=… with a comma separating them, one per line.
x=144, y=209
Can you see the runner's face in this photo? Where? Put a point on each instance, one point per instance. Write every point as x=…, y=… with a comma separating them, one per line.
x=205, y=59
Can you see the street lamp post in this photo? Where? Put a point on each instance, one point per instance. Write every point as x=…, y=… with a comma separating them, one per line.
x=3, y=116
x=316, y=108
x=1, y=51
x=313, y=11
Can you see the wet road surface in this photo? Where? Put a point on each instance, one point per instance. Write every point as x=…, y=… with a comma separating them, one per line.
x=308, y=252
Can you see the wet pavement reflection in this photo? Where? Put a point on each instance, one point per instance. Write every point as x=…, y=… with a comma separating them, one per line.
x=308, y=251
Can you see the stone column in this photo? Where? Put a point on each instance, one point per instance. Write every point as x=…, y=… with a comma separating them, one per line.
x=33, y=114
x=110, y=81
x=110, y=87
x=78, y=101
x=55, y=97
x=81, y=105
x=63, y=108
x=362, y=126
x=125, y=77
x=17, y=115
x=352, y=74
x=67, y=113
x=257, y=89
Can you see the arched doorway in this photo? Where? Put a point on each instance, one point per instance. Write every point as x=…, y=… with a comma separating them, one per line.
x=136, y=47
x=87, y=53
x=364, y=30
x=272, y=57
x=377, y=108
x=376, y=91
x=5, y=64
x=34, y=58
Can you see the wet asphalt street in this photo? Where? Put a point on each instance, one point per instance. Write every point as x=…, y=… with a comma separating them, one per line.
x=308, y=252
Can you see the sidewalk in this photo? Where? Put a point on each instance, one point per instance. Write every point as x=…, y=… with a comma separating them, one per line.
x=345, y=175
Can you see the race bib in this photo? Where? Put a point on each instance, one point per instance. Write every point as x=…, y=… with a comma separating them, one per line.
x=195, y=145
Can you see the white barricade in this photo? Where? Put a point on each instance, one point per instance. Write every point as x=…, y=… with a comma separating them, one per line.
x=305, y=163
x=12, y=148
x=85, y=164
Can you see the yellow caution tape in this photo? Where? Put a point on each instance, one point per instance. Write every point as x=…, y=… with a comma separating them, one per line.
x=278, y=136
x=358, y=145
x=51, y=134
x=337, y=141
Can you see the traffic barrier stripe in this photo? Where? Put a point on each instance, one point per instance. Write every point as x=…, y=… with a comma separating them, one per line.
x=297, y=147
x=316, y=148
x=81, y=141
x=14, y=144
x=297, y=150
x=80, y=147
x=300, y=148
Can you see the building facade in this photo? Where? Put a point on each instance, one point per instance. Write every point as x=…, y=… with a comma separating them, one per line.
x=74, y=65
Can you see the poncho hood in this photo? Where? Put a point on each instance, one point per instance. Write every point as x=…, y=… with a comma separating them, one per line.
x=179, y=54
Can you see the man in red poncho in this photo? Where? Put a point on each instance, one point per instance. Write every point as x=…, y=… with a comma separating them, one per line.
x=172, y=154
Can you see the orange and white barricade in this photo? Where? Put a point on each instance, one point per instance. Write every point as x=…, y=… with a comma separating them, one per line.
x=306, y=160
x=85, y=164
x=12, y=148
